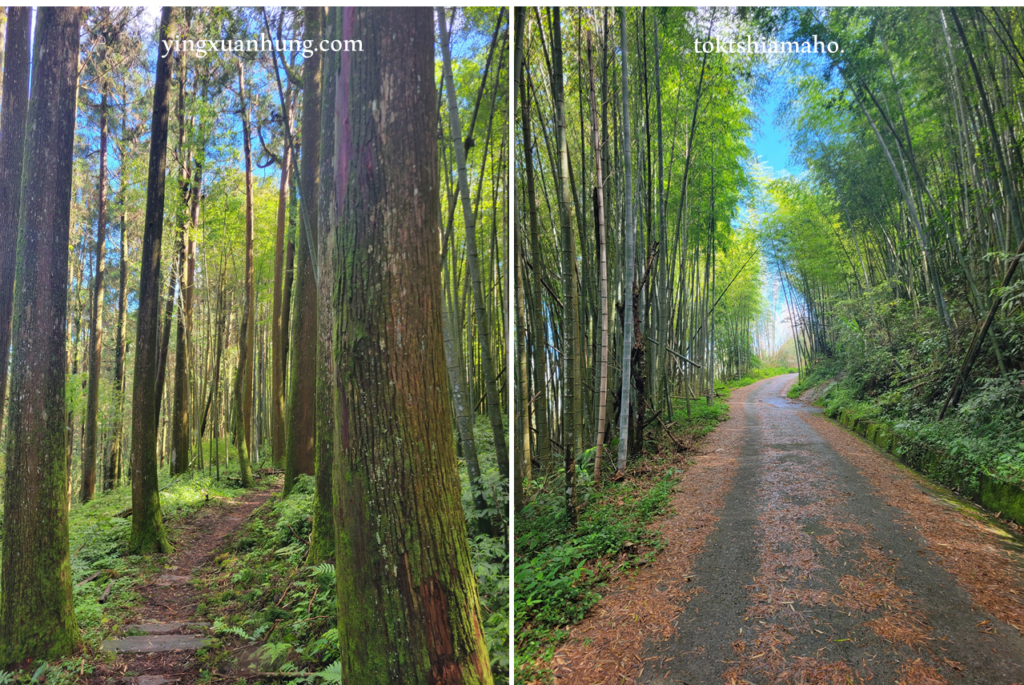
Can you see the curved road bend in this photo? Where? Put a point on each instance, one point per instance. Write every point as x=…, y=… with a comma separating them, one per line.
x=832, y=564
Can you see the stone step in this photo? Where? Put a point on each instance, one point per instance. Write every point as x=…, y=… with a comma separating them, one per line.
x=156, y=643
x=164, y=628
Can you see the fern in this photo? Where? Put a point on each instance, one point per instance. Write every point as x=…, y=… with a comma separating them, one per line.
x=323, y=569
x=291, y=549
x=331, y=674
x=272, y=651
x=221, y=628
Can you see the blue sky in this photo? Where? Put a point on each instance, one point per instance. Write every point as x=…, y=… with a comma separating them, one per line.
x=769, y=144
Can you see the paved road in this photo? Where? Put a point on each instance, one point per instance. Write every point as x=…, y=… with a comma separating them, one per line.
x=825, y=567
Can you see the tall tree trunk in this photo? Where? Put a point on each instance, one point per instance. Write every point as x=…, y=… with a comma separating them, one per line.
x=37, y=615
x=147, y=523
x=630, y=235
x=570, y=296
x=483, y=328
x=88, y=490
x=602, y=402
x=408, y=608
x=278, y=334
x=523, y=457
x=12, y=123
x=112, y=476
x=538, y=329
x=289, y=284
x=180, y=410
x=247, y=336
x=300, y=450
x=322, y=219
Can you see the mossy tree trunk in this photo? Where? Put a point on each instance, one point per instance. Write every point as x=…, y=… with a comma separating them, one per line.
x=408, y=610
x=37, y=616
x=147, y=522
x=12, y=123
x=323, y=503
x=300, y=449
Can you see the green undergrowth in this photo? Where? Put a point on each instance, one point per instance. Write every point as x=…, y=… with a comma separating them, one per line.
x=981, y=439
x=561, y=570
x=813, y=377
x=264, y=595
x=759, y=374
x=99, y=533
x=279, y=611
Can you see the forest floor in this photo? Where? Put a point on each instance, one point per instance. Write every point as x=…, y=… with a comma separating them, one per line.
x=171, y=594
x=798, y=553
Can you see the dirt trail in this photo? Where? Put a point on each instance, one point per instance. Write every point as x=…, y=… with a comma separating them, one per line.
x=168, y=598
x=827, y=563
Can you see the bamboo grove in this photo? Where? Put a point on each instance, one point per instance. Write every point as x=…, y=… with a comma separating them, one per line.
x=901, y=246
x=635, y=267
x=212, y=303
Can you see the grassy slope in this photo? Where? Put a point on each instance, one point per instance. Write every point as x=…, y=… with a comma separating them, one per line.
x=983, y=435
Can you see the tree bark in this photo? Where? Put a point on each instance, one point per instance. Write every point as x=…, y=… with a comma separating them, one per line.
x=323, y=215
x=147, y=522
x=165, y=336
x=463, y=413
x=37, y=616
x=12, y=123
x=408, y=607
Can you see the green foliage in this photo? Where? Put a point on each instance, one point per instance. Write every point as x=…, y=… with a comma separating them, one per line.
x=559, y=570
x=490, y=555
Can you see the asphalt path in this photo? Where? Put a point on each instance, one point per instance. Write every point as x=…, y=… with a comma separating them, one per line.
x=817, y=573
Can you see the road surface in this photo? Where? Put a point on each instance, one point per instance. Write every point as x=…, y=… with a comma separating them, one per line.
x=799, y=553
